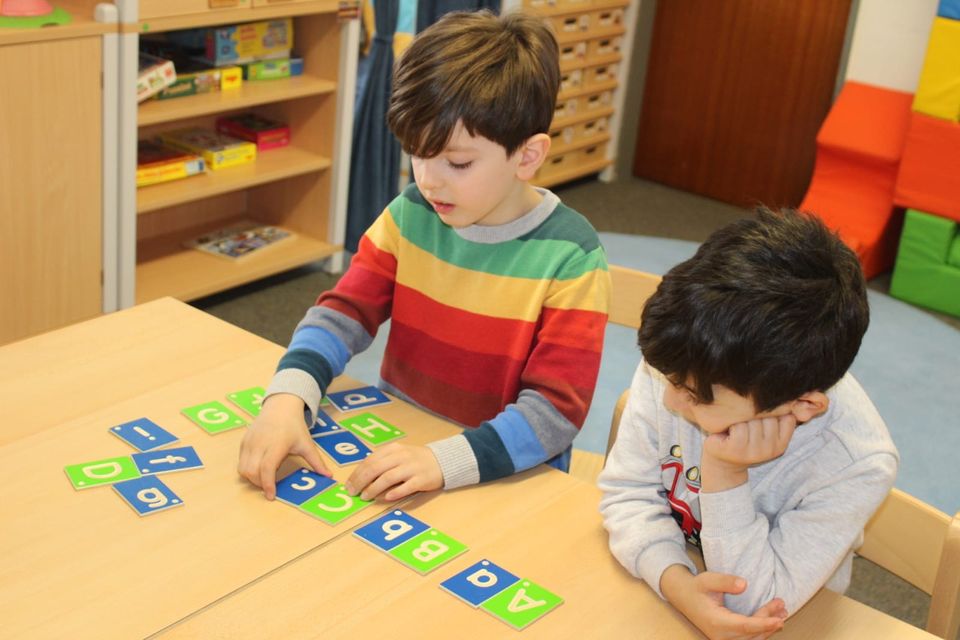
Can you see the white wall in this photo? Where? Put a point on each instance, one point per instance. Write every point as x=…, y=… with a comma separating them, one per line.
x=890, y=41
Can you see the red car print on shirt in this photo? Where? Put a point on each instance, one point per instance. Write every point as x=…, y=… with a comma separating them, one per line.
x=683, y=489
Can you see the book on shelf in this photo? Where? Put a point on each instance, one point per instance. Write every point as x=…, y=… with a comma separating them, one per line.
x=158, y=163
x=240, y=240
x=218, y=150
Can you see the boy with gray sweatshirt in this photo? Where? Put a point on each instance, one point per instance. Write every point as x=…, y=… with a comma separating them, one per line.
x=744, y=434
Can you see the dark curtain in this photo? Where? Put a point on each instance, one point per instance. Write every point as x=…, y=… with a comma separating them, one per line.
x=429, y=11
x=375, y=161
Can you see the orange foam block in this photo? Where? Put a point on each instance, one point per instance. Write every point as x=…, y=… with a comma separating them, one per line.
x=929, y=178
x=858, y=154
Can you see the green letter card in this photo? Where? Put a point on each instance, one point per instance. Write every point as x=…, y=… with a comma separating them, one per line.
x=248, y=399
x=334, y=505
x=214, y=417
x=522, y=603
x=425, y=552
x=97, y=472
x=373, y=430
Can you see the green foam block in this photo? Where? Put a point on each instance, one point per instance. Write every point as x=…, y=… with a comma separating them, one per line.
x=924, y=274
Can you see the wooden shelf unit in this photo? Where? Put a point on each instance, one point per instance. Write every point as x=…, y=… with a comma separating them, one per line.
x=592, y=35
x=55, y=171
x=290, y=187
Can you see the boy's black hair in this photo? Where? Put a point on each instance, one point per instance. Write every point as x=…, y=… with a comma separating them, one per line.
x=498, y=75
x=770, y=307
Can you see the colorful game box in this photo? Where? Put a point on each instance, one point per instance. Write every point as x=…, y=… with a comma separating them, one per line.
x=296, y=66
x=267, y=69
x=153, y=74
x=237, y=44
x=202, y=80
x=219, y=151
x=157, y=163
x=240, y=240
x=265, y=133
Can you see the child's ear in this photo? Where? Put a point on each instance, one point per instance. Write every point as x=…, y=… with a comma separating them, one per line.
x=810, y=405
x=532, y=154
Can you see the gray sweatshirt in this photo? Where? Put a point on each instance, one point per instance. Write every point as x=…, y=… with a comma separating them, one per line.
x=789, y=531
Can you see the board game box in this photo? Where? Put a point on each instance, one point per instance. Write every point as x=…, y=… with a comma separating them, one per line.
x=218, y=150
x=240, y=240
x=265, y=133
x=267, y=69
x=239, y=43
x=153, y=74
x=157, y=163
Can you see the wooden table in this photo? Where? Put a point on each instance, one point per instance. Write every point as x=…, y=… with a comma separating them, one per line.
x=229, y=564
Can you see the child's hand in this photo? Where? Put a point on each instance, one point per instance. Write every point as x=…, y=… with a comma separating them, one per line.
x=277, y=432
x=700, y=599
x=398, y=470
x=727, y=456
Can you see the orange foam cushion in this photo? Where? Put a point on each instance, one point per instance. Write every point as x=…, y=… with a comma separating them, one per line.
x=867, y=120
x=858, y=154
x=929, y=177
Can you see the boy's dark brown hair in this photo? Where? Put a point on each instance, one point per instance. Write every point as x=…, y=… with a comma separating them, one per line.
x=770, y=307
x=498, y=74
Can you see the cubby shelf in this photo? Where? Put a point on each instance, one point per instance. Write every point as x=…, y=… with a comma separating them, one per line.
x=250, y=94
x=270, y=166
x=166, y=268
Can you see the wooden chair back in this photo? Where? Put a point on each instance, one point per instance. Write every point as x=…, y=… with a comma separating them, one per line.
x=921, y=545
x=631, y=288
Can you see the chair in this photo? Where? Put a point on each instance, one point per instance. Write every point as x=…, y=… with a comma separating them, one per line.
x=921, y=545
x=629, y=290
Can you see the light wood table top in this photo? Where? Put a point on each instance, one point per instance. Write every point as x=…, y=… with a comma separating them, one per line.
x=83, y=563
x=229, y=564
x=541, y=525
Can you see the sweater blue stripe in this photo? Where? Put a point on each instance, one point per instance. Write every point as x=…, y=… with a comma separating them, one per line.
x=330, y=347
x=519, y=438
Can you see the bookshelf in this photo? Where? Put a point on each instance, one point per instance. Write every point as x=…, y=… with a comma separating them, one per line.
x=300, y=187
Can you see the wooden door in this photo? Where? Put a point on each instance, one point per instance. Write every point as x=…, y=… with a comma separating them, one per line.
x=50, y=185
x=735, y=93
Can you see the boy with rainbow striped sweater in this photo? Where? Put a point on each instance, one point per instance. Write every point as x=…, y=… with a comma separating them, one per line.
x=497, y=293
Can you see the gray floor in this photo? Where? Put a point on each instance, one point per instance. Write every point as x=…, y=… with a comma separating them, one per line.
x=272, y=307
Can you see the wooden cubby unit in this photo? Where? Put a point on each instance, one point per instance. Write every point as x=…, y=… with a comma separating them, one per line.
x=592, y=35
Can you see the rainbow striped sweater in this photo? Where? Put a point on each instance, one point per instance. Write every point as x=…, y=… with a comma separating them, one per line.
x=499, y=329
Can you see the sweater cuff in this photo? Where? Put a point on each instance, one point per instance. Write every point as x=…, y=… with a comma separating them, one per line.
x=457, y=461
x=656, y=558
x=727, y=511
x=299, y=383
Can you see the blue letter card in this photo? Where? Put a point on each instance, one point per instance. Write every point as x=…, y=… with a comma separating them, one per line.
x=147, y=495
x=143, y=434
x=343, y=447
x=391, y=530
x=358, y=398
x=480, y=582
x=166, y=460
x=324, y=425
x=300, y=486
